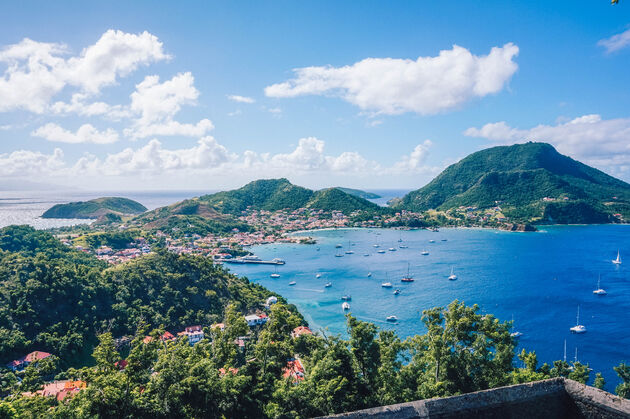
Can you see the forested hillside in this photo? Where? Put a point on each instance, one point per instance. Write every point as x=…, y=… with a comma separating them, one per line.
x=530, y=182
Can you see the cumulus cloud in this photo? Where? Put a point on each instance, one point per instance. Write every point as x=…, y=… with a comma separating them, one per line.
x=78, y=105
x=38, y=71
x=425, y=86
x=602, y=142
x=25, y=163
x=85, y=134
x=241, y=99
x=616, y=42
x=157, y=103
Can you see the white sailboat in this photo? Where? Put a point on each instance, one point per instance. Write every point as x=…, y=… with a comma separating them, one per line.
x=514, y=334
x=386, y=285
x=578, y=328
x=599, y=290
x=424, y=253
x=452, y=277
x=318, y=276
x=345, y=306
x=618, y=260
x=392, y=319
x=275, y=274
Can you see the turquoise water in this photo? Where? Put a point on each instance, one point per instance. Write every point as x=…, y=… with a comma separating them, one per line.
x=539, y=279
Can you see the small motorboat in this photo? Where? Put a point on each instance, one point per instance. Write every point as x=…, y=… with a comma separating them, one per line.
x=275, y=275
x=369, y=274
x=346, y=298
x=318, y=276
x=345, y=306
x=292, y=283
x=381, y=251
x=386, y=285
x=424, y=253
x=392, y=319
x=328, y=284
x=396, y=292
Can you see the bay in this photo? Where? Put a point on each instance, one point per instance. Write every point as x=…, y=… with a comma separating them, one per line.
x=538, y=279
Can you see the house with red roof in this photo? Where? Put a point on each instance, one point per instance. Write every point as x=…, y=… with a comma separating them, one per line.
x=300, y=330
x=20, y=364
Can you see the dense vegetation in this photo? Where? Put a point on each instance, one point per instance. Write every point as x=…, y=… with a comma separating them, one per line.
x=518, y=177
x=279, y=194
x=95, y=208
x=359, y=193
x=56, y=299
x=462, y=351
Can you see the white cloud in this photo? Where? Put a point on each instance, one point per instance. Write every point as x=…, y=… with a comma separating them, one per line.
x=601, y=142
x=85, y=134
x=241, y=99
x=25, y=163
x=37, y=71
x=157, y=103
x=616, y=42
x=427, y=85
x=78, y=106
x=153, y=158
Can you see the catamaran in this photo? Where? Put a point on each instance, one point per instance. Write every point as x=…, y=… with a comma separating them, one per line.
x=275, y=274
x=599, y=290
x=618, y=260
x=386, y=285
x=452, y=277
x=578, y=328
x=408, y=277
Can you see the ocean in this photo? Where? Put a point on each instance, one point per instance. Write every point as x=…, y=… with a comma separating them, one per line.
x=538, y=279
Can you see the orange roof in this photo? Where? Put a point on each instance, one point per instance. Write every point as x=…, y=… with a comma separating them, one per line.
x=301, y=330
x=36, y=356
x=233, y=371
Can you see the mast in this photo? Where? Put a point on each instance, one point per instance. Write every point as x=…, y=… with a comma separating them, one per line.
x=578, y=317
x=565, y=350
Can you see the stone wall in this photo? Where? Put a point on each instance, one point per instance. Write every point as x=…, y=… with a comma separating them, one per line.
x=554, y=398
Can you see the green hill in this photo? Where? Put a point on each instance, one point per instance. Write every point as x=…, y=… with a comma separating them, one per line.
x=359, y=193
x=95, y=208
x=336, y=199
x=217, y=213
x=531, y=182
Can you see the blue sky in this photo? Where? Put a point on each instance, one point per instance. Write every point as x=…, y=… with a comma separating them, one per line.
x=142, y=95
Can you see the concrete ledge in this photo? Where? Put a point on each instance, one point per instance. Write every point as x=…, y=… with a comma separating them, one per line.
x=554, y=398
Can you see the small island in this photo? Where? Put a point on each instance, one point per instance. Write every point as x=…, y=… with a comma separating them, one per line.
x=359, y=193
x=96, y=208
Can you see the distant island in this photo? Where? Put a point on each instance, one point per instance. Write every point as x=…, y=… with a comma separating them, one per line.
x=109, y=207
x=359, y=193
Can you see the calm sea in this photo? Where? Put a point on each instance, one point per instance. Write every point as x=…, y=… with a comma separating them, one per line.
x=538, y=279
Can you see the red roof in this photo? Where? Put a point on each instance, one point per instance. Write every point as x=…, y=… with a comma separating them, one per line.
x=36, y=356
x=193, y=329
x=301, y=330
x=233, y=371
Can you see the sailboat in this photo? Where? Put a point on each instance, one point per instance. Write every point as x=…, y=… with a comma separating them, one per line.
x=339, y=255
x=578, y=328
x=275, y=274
x=392, y=319
x=514, y=334
x=408, y=277
x=386, y=285
x=452, y=277
x=599, y=290
x=318, y=276
x=345, y=306
x=292, y=283
x=349, y=252
x=424, y=253
x=369, y=274
x=328, y=284
x=618, y=260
